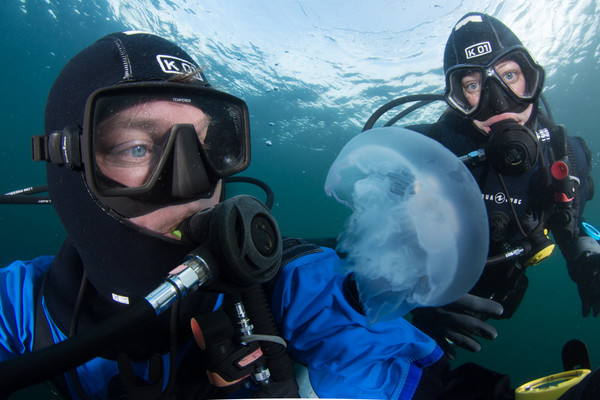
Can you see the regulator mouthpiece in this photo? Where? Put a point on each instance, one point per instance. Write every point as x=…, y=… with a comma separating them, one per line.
x=243, y=237
x=512, y=148
x=240, y=246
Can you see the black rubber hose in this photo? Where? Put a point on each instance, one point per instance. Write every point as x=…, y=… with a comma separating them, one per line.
x=395, y=103
x=278, y=361
x=547, y=107
x=29, y=190
x=408, y=110
x=496, y=259
x=41, y=365
x=254, y=181
x=23, y=199
x=23, y=196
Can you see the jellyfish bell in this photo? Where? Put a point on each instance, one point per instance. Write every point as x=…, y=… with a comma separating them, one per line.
x=418, y=234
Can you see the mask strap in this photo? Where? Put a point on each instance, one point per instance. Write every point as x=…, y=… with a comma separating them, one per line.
x=60, y=147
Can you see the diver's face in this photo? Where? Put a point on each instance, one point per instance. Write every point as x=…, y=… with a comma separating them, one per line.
x=510, y=72
x=165, y=220
x=130, y=144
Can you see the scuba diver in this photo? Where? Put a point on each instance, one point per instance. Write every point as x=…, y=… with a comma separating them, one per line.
x=138, y=148
x=534, y=179
x=136, y=143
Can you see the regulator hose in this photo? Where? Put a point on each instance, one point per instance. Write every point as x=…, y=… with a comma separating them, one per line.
x=43, y=364
x=424, y=99
x=283, y=383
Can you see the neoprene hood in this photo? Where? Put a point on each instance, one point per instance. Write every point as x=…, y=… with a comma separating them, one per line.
x=122, y=261
x=477, y=43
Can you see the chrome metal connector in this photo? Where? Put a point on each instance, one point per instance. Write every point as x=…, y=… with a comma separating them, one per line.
x=194, y=272
x=261, y=374
x=245, y=326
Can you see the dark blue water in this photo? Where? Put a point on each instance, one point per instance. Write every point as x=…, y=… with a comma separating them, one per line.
x=311, y=74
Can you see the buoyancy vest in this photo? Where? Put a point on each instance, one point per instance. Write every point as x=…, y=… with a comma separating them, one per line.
x=528, y=197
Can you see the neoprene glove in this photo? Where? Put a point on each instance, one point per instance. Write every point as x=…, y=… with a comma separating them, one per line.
x=584, y=270
x=456, y=324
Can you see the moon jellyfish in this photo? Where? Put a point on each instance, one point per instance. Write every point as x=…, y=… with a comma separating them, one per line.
x=418, y=233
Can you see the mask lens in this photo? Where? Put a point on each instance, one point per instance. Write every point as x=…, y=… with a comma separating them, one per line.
x=464, y=88
x=518, y=73
x=128, y=141
x=225, y=142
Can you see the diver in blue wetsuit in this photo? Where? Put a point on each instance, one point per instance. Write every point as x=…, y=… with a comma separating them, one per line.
x=137, y=147
x=534, y=179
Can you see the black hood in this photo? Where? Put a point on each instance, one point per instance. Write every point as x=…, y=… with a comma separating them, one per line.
x=118, y=257
x=477, y=39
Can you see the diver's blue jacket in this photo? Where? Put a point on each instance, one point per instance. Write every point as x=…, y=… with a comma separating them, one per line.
x=345, y=356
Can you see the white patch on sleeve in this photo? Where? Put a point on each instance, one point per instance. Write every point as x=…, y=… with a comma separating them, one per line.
x=120, y=299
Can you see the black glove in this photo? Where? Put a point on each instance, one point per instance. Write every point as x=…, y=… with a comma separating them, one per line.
x=584, y=270
x=455, y=324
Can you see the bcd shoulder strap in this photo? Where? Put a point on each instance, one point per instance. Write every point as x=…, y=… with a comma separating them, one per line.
x=42, y=337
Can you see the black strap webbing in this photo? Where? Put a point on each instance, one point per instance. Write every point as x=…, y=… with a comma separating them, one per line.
x=43, y=337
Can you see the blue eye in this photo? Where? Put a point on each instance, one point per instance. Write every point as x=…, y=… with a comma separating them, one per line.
x=138, y=151
x=509, y=77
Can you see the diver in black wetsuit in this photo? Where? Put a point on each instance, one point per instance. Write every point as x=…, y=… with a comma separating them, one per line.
x=533, y=177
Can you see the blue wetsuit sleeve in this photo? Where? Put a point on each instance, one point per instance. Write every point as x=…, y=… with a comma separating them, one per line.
x=345, y=356
x=19, y=284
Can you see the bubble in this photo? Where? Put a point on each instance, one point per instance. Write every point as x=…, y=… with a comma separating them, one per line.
x=418, y=234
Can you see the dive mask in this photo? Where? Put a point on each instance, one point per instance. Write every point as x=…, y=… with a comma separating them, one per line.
x=509, y=83
x=148, y=145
